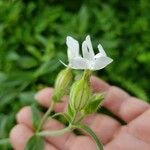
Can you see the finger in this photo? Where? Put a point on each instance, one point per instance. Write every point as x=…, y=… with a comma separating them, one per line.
x=103, y=126
x=82, y=143
x=140, y=127
x=123, y=105
x=25, y=117
x=123, y=140
x=44, y=96
x=119, y=102
x=99, y=85
x=19, y=136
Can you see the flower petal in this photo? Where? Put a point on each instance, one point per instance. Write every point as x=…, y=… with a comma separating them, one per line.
x=73, y=47
x=98, y=55
x=78, y=63
x=101, y=50
x=101, y=62
x=87, y=49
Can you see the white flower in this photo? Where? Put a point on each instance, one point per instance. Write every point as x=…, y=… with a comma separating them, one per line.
x=89, y=59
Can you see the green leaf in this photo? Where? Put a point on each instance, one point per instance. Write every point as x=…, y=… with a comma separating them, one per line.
x=35, y=143
x=93, y=104
x=36, y=117
x=92, y=134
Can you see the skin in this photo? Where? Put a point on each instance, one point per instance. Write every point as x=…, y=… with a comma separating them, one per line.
x=134, y=135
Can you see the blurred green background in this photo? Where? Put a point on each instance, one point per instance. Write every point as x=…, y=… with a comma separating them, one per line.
x=32, y=40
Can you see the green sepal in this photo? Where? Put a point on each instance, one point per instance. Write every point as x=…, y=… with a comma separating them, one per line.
x=57, y=96
x=35, y=143
x=36, y=117
x=62, y=84
x=93, y=104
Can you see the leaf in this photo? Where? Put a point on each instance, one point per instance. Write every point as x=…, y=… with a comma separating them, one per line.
x=35, y=143
x=36, y=117
x=92, y=134
x=93, y=104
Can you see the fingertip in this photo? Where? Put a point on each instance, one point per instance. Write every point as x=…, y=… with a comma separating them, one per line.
x=99, y=85
x=24, y=115
x=43, y=97
x=19, y=136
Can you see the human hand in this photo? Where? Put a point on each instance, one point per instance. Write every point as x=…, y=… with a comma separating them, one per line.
x=135, y=135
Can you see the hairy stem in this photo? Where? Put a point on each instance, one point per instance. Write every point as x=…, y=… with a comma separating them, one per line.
x=55, y=133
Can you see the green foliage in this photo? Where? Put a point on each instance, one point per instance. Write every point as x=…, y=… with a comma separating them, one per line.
x=32, y=40
x=35, y=143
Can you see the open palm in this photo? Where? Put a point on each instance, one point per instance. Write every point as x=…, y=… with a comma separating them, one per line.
x=135, y=135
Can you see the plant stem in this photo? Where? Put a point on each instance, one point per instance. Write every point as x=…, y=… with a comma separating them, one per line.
x=55, y=133
x=45, y=116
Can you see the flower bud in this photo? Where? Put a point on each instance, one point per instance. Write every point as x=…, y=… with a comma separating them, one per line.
x=62, y=84
x=80, y=93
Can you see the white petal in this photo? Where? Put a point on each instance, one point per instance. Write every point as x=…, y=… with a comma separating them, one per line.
x=78, y=63
x=73, y=47
x=98, y=55
x=85, y=51
x=101, y=50
x=89, y=48
x=101, y=62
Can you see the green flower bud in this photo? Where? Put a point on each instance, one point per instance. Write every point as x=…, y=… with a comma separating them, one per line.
x=62, y=84
x=80, y=93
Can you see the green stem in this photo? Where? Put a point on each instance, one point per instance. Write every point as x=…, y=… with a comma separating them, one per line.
x=91, y=133
x=55, y=133
x=45, y=116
